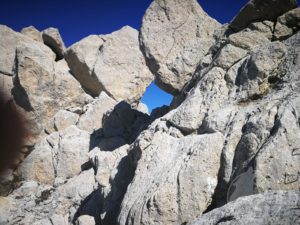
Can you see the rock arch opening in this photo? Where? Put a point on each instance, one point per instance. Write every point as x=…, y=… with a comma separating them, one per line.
x=154, y=97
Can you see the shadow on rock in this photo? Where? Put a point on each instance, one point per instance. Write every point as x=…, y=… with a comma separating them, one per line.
x=105, y=207
x=90, y=206
x=119, y=186
x=122, y=126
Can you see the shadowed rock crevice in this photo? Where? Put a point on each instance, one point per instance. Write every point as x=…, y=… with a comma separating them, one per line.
x=19, y=93
x=119, y=185
x=90, y=206
x=105, y=207
x=120, y=126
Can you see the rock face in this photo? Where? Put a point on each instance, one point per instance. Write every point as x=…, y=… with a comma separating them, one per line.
x=225, y=152
x=112, y=63
x=47, y=85
x=181, y=178
x=185, y=32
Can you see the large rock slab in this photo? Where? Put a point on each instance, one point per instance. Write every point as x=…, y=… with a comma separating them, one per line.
x=38, y=165
x=42, y=86
x=247, y=100
x=79, y=187
x=74, y=146
x=211, y=92
x=81, y=58
x=266, y=155
x=280, y=207
x=58, y=155
x=259, y=10
x=8, y=44
x=35, y=203
x=112, y=63
x=175, y=36
x=181, y=178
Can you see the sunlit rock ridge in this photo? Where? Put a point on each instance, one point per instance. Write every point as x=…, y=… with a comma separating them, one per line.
x=226, y=151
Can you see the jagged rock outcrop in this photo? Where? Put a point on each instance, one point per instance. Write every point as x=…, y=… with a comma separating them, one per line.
x=185, y=33
x=112, y=63
x=259, y=10
x=32, y=33
x=230, y=139
x=287, y=24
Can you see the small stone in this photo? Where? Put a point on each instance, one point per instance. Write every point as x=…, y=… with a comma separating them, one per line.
x=85, y=220
x=143, y=108
x=92, y=118
x=57, y=219
x=63, y=119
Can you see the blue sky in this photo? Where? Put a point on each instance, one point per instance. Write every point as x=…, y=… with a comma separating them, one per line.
x=77, y=19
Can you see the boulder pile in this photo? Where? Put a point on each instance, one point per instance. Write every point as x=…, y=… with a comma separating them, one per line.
x=226, y=151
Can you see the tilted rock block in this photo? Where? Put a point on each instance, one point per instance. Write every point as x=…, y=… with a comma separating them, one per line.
x=175, y=36
x=112, y=63
x=52, y=38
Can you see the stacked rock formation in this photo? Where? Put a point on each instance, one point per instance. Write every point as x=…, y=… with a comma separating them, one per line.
x=227, y=150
